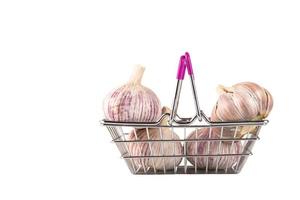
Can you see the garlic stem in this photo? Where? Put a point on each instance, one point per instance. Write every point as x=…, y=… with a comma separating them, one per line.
x=137, y=75
x=165, y=110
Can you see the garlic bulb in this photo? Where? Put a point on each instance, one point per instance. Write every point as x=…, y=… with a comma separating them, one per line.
x=261, y=95
x=212, y=148
x=166, y=148
x=132, y=102
x=242, y=101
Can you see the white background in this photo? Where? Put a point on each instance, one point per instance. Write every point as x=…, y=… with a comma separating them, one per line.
x=59, y=58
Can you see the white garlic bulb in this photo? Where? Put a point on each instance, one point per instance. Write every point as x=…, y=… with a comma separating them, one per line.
x=166, y=148
x=242, y=101
x=261, y=95
x=132, y=102
x=212, y=148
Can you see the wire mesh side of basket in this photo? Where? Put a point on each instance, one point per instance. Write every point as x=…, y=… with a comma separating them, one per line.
x=211, y=162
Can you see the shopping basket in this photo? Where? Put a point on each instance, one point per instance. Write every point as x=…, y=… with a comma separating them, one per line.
x=119, y=132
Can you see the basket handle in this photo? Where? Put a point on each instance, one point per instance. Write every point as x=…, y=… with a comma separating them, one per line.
x=181, y=68
x=189, y=64
x=184, y=63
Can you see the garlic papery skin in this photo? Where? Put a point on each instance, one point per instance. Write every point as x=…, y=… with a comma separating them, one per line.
x=244, y=101
x=155, y=148
x=262, y=96
x=132, y=102
x=212, y=148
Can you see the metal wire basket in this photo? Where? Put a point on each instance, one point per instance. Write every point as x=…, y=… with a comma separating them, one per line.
x=212, y=162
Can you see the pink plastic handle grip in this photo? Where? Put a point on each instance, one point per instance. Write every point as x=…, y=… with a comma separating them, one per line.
x=189, y=64
x=181, y=68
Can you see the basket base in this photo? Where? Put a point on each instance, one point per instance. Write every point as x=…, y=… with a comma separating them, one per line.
x=181, y=170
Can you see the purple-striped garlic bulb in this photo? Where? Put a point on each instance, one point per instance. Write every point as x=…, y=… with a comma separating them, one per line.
x=212, y=148
x=132, y=102
x=242, y=101
x=166, y=148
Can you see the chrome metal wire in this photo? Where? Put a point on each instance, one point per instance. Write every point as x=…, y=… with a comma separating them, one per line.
x=136, y=163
